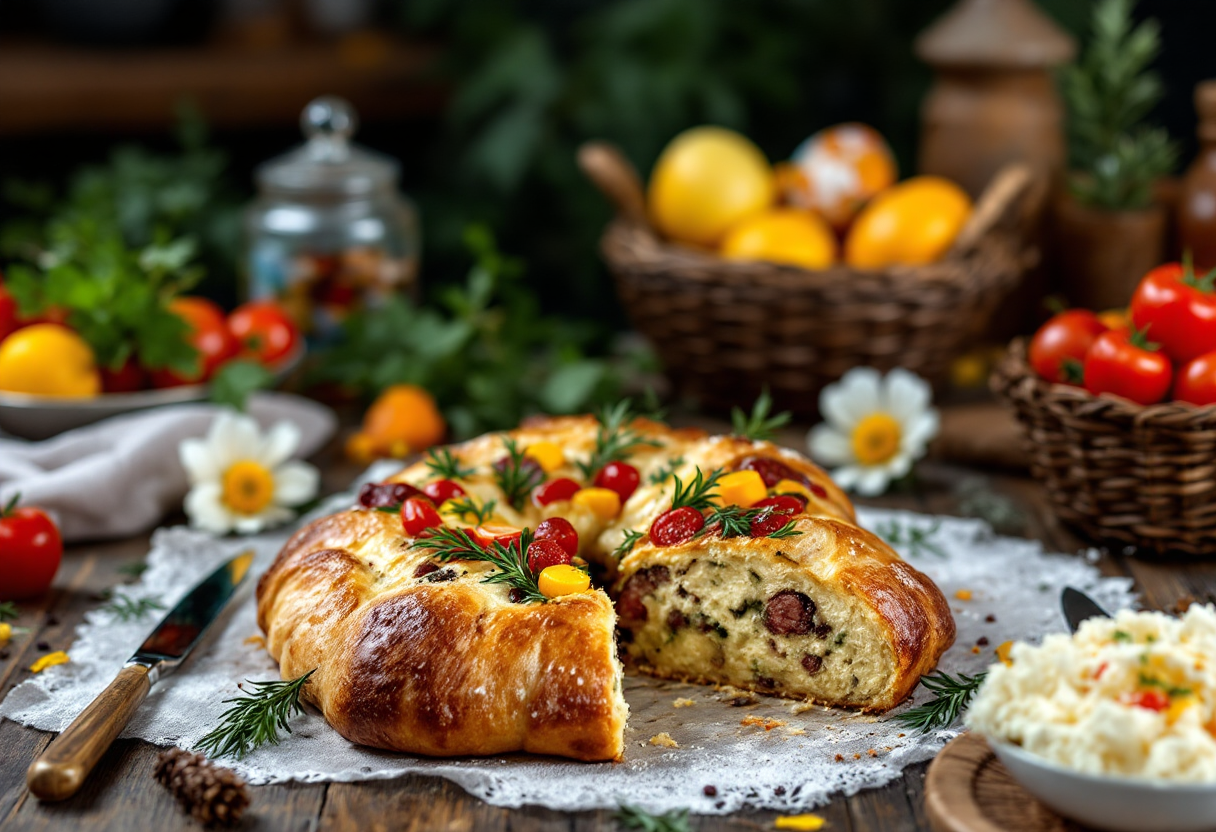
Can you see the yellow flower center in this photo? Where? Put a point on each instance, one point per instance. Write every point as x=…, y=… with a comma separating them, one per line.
x=248, y=487
x=876, y=439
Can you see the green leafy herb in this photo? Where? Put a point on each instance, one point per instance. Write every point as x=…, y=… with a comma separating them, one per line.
x=635, y=817
x=127, y=609
x=630, y=540
x=699, y=492
x=511, y=561
x=237, y=380
x=1121, y=635
x=666, y=472
x=134, y=569
x=785, y=531
x=951, y=697
x=256, y=718
x=516, y=475
x=444, y=465
x=759, y=425
x=615, y=440
x=8, y=611
x=916, y=539
x=1170, y=690
x=840, y=637
x=731, y=521
x=465, y=507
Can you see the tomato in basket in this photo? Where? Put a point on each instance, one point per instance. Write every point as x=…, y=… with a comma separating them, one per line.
x=1057, y=351
x=1179, y=309
x=1127, y=364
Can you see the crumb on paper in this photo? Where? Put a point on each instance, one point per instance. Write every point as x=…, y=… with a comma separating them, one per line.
x=802, y=707
x=683, y=702
x=257, y=641
x=736, y=696
x=49, y=660
x=963, y=595
x=840, y=758
x=856, y=756
x=976, y=650
x=872, y=753
x=766, y=722
x=796, y=731
x=664, y=740
x=799, y=823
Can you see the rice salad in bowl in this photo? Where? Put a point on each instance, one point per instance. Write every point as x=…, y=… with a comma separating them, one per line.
x=1131, y=696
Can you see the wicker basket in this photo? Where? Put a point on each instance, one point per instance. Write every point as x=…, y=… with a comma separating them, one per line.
x=1118, y=471
x=725, y=329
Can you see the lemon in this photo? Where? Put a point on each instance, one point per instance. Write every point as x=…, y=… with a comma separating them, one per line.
x=782, y=235
x=912, y=223
x=48, y=360
x=707, y=180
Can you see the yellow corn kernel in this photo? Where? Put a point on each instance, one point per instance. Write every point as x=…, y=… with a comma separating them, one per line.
x=603, y=502
x=6, y=632
x=799, y=823
x=562, y=579
x=1178, y=704
x=1002, y=653
x=49, y=660
x=791, y=487
x=741, y=488
x=963, y=595
x=547, y=455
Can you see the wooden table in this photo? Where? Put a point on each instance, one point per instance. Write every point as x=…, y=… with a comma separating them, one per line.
x=122, y=794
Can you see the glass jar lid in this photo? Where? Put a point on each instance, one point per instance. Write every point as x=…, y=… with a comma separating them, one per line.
x=329, y=163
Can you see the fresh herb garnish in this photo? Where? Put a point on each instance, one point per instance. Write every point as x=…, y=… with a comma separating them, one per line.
x=731, y=521
x=236, y=381
x=917, y=540
x=512, y=562
x=785, y=531
x=615, y=440
x=630, y=540
x=134, y=569
x=256, y=718
x=463, y=507
x=8, y=611
x=952, y=696
x=698, y=494
x=125, y=608
x=635, y=817
x=1121, y=635
x=758, y=425
x=1170, y=690
x=516, y=474
x=666, y=472
x=445, y=466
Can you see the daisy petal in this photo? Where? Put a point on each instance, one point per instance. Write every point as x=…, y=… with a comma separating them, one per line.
x=920, y=433
x=205, y=510
x=197, y=459
x=847, y=476
x=295, y=483
x=906, y=395
x=900, y=465
x=233, y=437
x=849, y=400
x=873, y=481
x=279, y=444
x=266, y=519
x=829, y=446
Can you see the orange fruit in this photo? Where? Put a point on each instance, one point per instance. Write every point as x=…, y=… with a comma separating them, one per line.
x=835, y=171
x=782, y=235
x=403, y=419
x=912, y=223
x=707, y=180
x=48, y=360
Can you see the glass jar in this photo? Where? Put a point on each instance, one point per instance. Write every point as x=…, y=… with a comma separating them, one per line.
x=328, y=231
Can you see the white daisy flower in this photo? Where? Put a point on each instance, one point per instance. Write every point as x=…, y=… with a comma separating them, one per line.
x=242, y=480
x=875, y=428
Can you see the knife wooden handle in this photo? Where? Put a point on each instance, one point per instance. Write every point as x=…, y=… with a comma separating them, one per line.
x=60, y=770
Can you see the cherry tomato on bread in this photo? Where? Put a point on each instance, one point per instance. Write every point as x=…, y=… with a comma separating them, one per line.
x=1057, y=351
x=265, y=332
x=1179, y=309
x=30, y=550
x=1128, y=365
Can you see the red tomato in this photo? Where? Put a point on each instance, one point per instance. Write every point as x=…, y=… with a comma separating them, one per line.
x=676, y=525
x=549, y=552
x=126, y=379
x=620, y=477
x=1179, y=309
x=441, y=490
x=1057, y=351
x=1195, y=381
x=265, y=332
x=488, y=534
x=208, y=334
x=784, y=503
x=559, y=530
x=1127, y=365
x=1153, y=700
x=30, y=550
x=418, y=515
x=562, y=488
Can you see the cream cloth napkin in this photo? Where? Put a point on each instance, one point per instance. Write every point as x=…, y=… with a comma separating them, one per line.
x=118, y=477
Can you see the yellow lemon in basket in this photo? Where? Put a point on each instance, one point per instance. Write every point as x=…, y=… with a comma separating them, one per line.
x=912, y=223
x=48, y=360
x=782, y=235
x=707, y=180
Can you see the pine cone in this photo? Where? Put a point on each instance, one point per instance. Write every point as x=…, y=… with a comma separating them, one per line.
x=212, y=794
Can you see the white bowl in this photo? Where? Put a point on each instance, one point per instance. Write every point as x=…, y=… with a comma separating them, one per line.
x=1114, y=804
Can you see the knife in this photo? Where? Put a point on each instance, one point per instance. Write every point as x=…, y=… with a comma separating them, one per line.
x=62, y=768
x=1078, y=606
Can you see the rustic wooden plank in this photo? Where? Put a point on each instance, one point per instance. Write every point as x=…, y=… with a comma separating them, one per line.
x=407, y=804
x=18, y=746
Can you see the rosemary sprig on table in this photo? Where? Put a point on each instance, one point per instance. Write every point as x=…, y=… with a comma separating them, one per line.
x=255, y=718
x=8, y=611
x=666, y=472
x=134, y=569
x=917, y=540
x=516, y=474
x=615, y=440
x=511, y=561
x=952, y=697
x=463, y=507
x=635, y=817
x=444, y=465
x=699, y=493
x=128, y=609
x=630, y=540
x=758, y=425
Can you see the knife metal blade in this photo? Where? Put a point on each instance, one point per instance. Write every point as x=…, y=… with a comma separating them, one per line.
x=61, y=769
x=1078, y=607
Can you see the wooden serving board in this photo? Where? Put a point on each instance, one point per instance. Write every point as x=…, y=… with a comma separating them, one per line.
x=968, y=790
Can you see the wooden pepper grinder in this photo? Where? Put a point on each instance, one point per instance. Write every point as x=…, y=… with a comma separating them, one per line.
x=993, y=101
x=1197, y=201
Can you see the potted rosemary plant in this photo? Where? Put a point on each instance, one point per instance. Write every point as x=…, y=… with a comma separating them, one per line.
x=1109, y=229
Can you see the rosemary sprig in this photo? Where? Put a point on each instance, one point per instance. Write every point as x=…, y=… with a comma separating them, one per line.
x=635, y=817
x=615, y=440
x=758, y=425
x=128, y=609
x=699, y=492
x=8, y=611
x=511, y=561
x=255, y=718
x=134, y=569
x=787, y=530
x=917, y=540
x=952, y=697
x=465, y=507
x=630, y=540
x=732, y=521
x=516, y=474
x=445, y=465
x=666, y=472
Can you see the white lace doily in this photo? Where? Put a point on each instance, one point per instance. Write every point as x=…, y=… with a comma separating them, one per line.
x=793, y=763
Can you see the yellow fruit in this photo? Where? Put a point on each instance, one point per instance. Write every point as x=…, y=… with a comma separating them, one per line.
x=547, y=455
x=403, y=420
x=782, y=235
x=562, y=579
x=48, y=360
x=836, y=170
x=741, y=488
x=707, y=180
x=792, y=487
x=911, y=224
x=604, y=503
